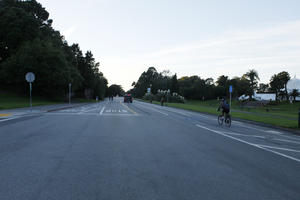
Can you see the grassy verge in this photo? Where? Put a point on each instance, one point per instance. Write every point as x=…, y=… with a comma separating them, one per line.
x=283, y=115
x=10, y=100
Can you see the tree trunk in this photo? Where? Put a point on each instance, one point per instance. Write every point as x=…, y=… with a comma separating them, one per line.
x=286, y=93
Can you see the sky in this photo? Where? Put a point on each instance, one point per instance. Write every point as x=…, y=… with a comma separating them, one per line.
x=207, y=38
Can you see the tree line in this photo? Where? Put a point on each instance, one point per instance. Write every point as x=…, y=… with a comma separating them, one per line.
x=29, y=43
x=195, y=87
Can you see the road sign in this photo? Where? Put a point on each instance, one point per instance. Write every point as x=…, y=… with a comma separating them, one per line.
x=230, y=88
x=149, y=90
x=30, y=77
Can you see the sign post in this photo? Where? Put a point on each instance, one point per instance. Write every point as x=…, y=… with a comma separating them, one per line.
x=70, y=87
x=30, y=77
x=230, y=91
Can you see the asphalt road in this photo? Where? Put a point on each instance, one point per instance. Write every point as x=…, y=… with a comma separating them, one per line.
x=112, y=150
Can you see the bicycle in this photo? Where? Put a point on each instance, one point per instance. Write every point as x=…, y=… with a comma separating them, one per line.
x=227, y=119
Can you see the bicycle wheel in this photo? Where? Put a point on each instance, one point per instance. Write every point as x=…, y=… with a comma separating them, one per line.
x=220, y=120
x=228, y=121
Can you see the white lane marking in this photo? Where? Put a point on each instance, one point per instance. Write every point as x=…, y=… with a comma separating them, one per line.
x=257, y=129
x=101, y=112
x=125, y=111
x=166, y=109
x=245, y=135
x=117, y=114
x=273, y=132
x=175, y=111
x=155, y=110
x=279, y=148
x=290, y=141
x=3, y=120
x=74, y=114
x=87, y=110
x=251, y=144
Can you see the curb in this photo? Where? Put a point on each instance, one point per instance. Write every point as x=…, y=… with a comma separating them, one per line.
x=67, y=107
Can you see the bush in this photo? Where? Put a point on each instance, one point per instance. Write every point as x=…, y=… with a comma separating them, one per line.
x=174, y=98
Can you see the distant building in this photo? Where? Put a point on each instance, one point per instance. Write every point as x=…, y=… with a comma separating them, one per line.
x=260, y=97
x=265, y=96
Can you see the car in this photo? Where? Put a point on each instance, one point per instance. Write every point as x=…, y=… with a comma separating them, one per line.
x=128, y=98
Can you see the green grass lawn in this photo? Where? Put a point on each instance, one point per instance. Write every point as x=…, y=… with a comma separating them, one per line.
x=10, y=100
x=284, y=114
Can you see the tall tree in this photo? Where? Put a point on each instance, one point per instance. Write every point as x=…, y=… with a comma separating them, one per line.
x=222, y=81
x=262, y=88
x=276, y=85
x=174, y=84
x=295, y=93
x=284, y=78
x=252, y=76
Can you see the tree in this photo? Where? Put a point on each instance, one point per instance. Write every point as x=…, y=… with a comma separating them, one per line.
x=29, y=43
x=284, y=78
x=295, y=93
x=262, y=88
x=174, y=84
x=276, y=85
x=222, y=81
x=252, y=76
x=115, y=90
x=279, y=82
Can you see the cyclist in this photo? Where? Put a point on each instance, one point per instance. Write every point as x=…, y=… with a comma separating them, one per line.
x=225, y=107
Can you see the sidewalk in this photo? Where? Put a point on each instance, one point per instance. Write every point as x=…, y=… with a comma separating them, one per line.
x=19, y=112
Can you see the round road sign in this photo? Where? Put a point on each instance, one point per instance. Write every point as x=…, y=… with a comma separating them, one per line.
x=30, y=77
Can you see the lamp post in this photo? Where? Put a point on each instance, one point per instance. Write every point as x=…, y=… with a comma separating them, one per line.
x=70, y=87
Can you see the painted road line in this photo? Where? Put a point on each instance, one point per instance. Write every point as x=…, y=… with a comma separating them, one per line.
x=120, y=115
x=289, y=141
x=245, y=135
x=8, y=119
x=128, y=108
x=101, y=112
x=153, y=107
x=273, y=132
x=251, y=144
x=269, y=131
x=154, y=110
x=280, y=148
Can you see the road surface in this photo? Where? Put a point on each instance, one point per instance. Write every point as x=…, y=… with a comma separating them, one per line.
x=115, y=150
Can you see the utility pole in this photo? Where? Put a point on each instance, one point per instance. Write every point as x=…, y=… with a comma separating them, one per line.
x=70, y=87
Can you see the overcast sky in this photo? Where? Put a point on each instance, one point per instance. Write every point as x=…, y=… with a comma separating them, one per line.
x=207, y=38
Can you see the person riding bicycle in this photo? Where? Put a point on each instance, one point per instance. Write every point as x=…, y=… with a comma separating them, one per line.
x=224, y=106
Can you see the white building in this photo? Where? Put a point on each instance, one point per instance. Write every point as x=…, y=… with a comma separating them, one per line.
x=260, y=97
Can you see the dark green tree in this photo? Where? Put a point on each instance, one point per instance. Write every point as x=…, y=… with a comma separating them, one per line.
x=252, y=76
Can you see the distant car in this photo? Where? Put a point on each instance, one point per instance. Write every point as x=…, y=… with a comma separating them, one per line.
x=128, y=98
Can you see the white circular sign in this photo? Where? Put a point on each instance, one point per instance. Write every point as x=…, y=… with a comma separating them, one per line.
x=30, y=77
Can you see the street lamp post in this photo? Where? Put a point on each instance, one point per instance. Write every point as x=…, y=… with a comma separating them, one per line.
x=70, y=87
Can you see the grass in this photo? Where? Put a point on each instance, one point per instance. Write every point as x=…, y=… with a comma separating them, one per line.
x=9, y=100
x=283, y=115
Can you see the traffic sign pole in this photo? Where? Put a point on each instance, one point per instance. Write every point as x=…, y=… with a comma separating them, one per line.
x=70, y=85
x=30, y=89
x=230, y=92
x=30, y=77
